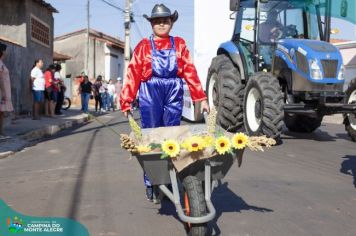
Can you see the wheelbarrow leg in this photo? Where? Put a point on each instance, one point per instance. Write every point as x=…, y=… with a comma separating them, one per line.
x=175, y=198
x=208, y=188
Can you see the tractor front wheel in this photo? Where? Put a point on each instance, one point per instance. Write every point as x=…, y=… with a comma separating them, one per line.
x=350, y=119
x=263, y=106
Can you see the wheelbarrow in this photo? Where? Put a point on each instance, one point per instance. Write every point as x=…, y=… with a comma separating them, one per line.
x=198, y=209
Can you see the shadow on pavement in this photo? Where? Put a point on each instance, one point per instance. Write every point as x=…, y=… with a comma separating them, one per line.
x=348, y=166
x=317, y=135
x=224, y=200
x=77, y=192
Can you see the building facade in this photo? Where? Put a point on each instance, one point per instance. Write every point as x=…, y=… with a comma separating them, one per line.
x=26, y=27
x=106, y=54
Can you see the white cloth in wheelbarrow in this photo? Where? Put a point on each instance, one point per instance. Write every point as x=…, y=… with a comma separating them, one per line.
x=179, y=134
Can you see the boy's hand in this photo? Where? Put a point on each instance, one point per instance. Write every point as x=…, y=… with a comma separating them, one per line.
x=204, y=106
x=127, y=113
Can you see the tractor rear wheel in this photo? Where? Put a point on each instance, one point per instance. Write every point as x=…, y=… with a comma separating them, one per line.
x=263, y=106
x=350, y=119
x=302, y=123
x=225, y=92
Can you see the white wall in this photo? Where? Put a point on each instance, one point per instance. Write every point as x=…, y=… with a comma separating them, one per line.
x=348, y=52
x=212, y=26
x=114, y=61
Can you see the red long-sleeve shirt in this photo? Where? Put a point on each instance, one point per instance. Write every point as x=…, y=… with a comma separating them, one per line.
x=140, y=70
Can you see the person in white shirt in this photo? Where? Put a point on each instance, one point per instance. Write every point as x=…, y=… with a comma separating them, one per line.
x=103, y=90
x=38, y=87
x=111, y=93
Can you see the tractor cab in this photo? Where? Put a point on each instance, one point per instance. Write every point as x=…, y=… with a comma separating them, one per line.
x=260, y=25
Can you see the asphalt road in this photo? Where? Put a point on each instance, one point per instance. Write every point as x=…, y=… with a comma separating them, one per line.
x=306, y=186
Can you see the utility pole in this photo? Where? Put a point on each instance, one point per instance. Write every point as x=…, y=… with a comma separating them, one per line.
x=88, y=40
x=127, y=25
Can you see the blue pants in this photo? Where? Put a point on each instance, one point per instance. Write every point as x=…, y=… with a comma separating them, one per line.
x=161, y=102
x=38, y=95
x=110, y=102
x=85, y=101
x=104, y=100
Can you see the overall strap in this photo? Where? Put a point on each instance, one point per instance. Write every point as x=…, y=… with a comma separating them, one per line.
x=152, y=44
x=172, y=42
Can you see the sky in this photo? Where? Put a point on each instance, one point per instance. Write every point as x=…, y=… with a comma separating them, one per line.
x=104, y=18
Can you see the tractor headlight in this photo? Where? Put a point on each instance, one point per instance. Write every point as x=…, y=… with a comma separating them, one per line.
x=341, y=75
x=315, y=71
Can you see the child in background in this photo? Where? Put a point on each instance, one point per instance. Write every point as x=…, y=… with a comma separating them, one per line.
x=111, y=95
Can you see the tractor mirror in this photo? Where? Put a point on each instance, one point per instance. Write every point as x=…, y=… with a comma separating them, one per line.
x=334, y=31
x=234, y=5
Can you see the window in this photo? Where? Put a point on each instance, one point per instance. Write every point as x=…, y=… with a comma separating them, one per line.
x=40, y=32
x=247, y=24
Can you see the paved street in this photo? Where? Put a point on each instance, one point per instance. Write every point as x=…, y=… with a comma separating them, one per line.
x=304, y=187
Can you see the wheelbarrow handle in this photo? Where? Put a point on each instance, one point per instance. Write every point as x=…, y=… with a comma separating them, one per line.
x=205, y=114
x=129, y=115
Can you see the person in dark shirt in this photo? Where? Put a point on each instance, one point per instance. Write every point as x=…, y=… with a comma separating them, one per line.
x=96, y=88
x=85, y=91
x=271, y=30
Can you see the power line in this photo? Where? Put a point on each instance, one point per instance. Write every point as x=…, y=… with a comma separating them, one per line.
x=114, y=6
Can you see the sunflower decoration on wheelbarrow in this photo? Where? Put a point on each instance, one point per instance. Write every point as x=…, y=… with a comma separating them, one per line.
x=190, y=154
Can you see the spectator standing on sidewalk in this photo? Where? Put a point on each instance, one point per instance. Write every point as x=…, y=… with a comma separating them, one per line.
x=96, y=88
x=61, y=88
x=5, y=89
x=103, y=90
x=118, y=91
x=49, y=101
x=38, y=87
x=85, y=91
x=111, y=94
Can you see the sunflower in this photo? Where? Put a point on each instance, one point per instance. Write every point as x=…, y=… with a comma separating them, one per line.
x=208, y=141
x=143, y=149
x=222, y=145
x=193, y=144
x=170, y=148
x=239, y=141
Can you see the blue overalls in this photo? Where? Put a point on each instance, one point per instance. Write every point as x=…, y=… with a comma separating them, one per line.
x=161, y=97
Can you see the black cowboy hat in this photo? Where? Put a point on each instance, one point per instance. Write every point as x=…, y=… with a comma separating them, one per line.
x=159, y=11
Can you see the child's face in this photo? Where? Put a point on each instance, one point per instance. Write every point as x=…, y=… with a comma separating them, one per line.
x=161, y=26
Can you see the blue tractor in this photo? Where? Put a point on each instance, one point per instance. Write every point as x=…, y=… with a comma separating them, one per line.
x=280, y=69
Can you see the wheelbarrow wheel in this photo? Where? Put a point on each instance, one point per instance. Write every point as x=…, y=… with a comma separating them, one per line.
x=194, y=203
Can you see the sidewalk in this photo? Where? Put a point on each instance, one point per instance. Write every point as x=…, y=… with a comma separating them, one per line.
x=22, y=132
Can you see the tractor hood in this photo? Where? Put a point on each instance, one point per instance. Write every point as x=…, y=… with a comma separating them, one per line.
x=306, y=56
x=313, y=47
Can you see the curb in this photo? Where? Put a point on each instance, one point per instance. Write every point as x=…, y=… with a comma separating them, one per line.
x=6, y=154
x=46, y=131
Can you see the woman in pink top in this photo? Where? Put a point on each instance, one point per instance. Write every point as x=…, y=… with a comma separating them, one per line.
x=5, y=89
